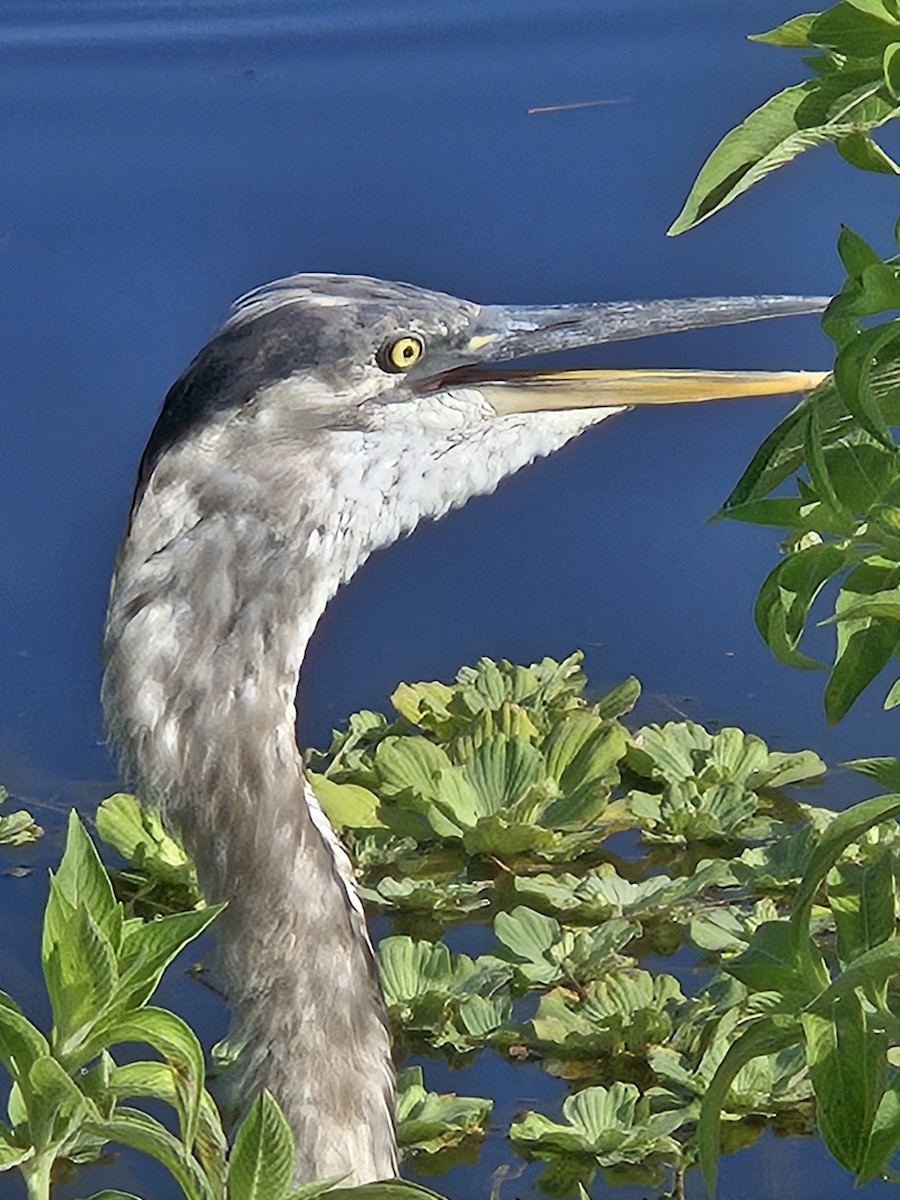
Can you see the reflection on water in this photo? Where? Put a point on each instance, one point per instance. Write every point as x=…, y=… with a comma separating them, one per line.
x=163, y=158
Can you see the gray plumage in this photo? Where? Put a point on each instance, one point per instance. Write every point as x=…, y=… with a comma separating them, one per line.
x=287, y=452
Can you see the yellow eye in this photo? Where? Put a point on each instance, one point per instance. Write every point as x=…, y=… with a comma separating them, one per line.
x=401, y=353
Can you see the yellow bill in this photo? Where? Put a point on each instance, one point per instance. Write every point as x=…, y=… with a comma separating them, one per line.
x=525, y=391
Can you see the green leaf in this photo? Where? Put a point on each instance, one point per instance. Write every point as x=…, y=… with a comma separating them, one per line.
x=866, y=972
x=787, y=594
x=137, y=833
x=583, y=749
x=620, y=700
x=171, y=1037
x=18, y=828
x=411, y=971
x=424, y=704
x=818, y=465
x=504, y=839
x=853, y=375
x=262, y=1162
x=482, y=1017
x=669, y=753
x=862, y=897
x=80, y=881
x=346, y=805
x=81, y=976
x=865, y=642
x=847, y=827
x=808, y=114
x=885, y=10
x=736, y=756
x=388, y=1189
x=782, y=452
x=130, y=1127
x=113, y=1194
x=501, y=770
x=312, y=1191
x=625, y=1012
x=614, y=1124
x=592, y=953
x=147, y=950
x=785, y=512
x=783, y=769
x=412, y=762
x=767, y=138
x=21, y=1044
x=772, y=962
x=12, y=1155
x=859, y=28
x=529, y=935
x=860, y=150
x=885, y=770
x=865, y=653
x=794, y=32
x=428, y=1122
x=855, y=252
x=884, y=1136
x=56, y=1108
x=160, y=1081
x=428, y=895
x=891, y=67
x=880, y=604
x=848, y=1067
x=766, y=1035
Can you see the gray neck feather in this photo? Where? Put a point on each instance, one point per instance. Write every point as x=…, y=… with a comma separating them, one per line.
x=231, y=556
x=205, y=651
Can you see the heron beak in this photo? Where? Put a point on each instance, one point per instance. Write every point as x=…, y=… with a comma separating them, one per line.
x=504, y=333
x=621, y=389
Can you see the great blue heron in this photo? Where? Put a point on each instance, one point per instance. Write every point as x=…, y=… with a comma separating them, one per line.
x=325, y=419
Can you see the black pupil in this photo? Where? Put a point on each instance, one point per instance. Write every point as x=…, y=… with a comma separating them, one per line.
x=408, y=350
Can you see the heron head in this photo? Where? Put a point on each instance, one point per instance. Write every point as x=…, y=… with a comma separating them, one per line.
x=346, y=377
x=328, y=351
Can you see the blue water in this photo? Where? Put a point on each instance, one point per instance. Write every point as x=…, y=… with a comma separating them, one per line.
x=161, y=158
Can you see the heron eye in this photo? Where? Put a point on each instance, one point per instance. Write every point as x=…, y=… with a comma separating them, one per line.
x=401, y=353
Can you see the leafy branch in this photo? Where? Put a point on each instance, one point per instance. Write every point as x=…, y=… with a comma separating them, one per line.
x=854, y=90
x=70, y=1097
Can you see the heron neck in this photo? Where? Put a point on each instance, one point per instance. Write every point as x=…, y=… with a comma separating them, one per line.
x=206, y=632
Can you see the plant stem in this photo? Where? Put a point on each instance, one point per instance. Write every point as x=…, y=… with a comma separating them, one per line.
x=37, y=1175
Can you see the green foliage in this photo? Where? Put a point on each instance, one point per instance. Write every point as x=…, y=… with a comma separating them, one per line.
x=429, y=1122
x=510, y=762
x=791, y=909
x=68, y=1094
x=842, y=533
x=626, y=1013
x=763, y=890
x=843, y=1022
x=544, y=952
x=158, y=861
x=709, y=783
x=602, y=893
x=571, y=934
x=844, y=521
x=600, y=1126
x=855, y=88
x=441, y=999
x=843, y=538
x=101, y=969
x=17, y=828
